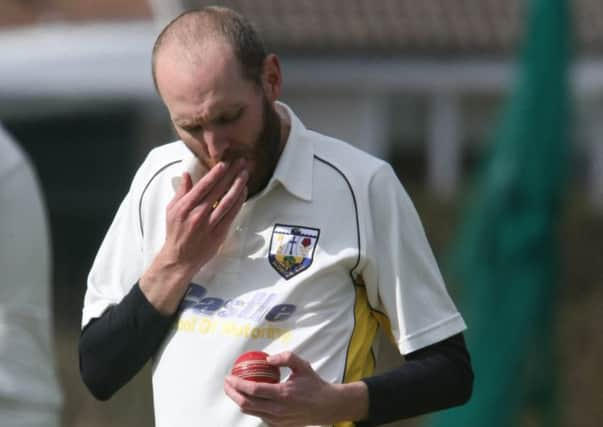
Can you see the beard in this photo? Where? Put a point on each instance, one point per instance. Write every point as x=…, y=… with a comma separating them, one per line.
x=266, y=151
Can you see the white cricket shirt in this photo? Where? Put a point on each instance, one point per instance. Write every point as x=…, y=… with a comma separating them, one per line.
x=329, y=251
x=29, y=391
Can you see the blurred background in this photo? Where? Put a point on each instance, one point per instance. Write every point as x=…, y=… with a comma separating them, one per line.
x=426, y=85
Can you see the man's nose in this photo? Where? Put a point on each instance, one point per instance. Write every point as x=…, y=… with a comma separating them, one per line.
x=216, y=144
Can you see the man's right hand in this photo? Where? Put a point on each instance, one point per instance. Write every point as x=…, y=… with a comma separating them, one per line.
x=197, y=221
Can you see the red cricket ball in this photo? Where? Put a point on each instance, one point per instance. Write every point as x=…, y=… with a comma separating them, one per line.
x=252, y=366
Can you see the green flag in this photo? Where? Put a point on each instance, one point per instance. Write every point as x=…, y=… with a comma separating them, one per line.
x=505, y=258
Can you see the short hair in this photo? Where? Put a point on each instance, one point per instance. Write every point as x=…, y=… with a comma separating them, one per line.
x=196, y=26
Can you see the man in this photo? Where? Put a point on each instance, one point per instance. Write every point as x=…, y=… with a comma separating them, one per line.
x=29, y=390
x=252, y=232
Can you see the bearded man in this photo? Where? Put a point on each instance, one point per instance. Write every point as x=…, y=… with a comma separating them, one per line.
x=254, y=233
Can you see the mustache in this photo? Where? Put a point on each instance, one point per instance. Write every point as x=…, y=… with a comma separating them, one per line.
x=230, y=157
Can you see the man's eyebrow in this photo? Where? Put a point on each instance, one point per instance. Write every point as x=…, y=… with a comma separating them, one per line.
x=229, y=108
x=180, y=121
x=199, y=120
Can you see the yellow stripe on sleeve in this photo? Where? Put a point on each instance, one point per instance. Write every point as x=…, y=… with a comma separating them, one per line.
x=360, y=361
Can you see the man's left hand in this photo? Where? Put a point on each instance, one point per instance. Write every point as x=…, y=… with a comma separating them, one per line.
x=303, y=399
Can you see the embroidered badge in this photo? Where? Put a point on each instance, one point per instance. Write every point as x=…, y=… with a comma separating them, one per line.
x=292, y=248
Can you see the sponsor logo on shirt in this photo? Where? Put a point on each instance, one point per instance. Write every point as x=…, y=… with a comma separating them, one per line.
x=292, y=248
x=253, y=318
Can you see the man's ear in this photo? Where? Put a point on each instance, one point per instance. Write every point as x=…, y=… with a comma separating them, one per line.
x=272, y=79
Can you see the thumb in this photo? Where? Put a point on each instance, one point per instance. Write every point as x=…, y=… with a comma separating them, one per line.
x=290, y=360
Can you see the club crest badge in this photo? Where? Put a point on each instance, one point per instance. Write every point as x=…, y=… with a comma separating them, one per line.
x=292, y=249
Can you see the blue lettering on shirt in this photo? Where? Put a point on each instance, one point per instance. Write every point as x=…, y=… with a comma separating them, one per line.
x=280, y=312
x=259, y=307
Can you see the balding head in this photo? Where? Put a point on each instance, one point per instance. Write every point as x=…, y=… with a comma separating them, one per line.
x=188, y=35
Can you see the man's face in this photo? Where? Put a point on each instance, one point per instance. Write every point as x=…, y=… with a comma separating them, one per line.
x=218, y=114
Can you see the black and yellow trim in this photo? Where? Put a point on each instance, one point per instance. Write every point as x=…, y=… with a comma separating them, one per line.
x=360, y=359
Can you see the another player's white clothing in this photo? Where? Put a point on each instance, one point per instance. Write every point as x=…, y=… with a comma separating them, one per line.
x=330, y=250
x=29, y=392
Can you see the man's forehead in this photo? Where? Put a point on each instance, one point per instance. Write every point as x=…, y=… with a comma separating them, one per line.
x=211, y=76
x=208, y=61
x=197, y=51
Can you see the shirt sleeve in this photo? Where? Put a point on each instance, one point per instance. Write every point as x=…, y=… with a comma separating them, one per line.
x=116, y=346
x=433, y=378
x=401, y=275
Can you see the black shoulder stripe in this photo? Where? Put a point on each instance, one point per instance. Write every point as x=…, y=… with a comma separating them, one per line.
x=164, y=167
x=355, y=208
x=358, y=239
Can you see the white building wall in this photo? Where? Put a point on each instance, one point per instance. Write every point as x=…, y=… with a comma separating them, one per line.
x=444, y=144
x=358, y=118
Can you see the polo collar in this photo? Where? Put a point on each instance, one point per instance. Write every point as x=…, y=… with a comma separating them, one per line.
x=294, y=170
